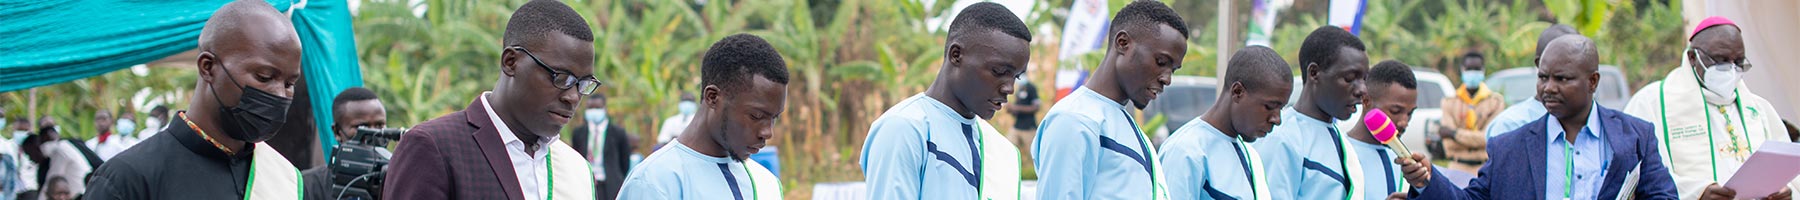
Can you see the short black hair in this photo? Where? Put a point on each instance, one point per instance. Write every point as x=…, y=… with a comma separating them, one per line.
x=1550, y=34
x=1257, y=67
x=597, y=95
x=160, y=112
x=1472, y=54
x=1145, y=15
x=538, y=18
x=349, y=95
x=730, y=62
x=56, y=181
x=1391, y=72
x=987, y=16
x=1322, y=47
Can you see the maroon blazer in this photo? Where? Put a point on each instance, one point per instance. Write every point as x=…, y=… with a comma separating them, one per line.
x=457, y=156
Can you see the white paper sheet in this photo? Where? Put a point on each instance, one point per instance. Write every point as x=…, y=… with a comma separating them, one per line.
x=1768, y=170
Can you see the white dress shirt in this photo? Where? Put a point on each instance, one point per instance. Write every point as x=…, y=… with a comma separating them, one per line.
x=528, y=167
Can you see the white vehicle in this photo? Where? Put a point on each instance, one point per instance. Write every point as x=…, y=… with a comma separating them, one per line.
x=1185, y=99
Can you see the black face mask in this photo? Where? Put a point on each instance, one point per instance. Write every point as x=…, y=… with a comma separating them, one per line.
x=257, y=114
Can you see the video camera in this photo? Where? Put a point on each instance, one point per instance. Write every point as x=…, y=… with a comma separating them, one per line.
x=359, y=165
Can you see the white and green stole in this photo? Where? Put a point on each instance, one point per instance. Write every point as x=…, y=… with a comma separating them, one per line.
x=272, y=176
x=569, y=174
x=1000, y=175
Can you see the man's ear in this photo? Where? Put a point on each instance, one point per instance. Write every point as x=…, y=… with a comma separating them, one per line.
x=1594, y=78
x=509, y=61
x=954, y=54
x=205, y=63
x=1368, y=101
x=1237, y=92
x=1121, y=42
x=1312, y=73
x=711, y=96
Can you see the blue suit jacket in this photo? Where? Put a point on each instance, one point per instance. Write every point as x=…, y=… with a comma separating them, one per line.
x=1515, y=168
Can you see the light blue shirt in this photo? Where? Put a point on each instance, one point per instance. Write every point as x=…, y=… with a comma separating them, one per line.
x=1202, y=163
x=1378, y=166
x=1515, y=116
x=921, y=149
x=1591, y=158
x=682, y=173
x=1303, y=158
x=1089, y=148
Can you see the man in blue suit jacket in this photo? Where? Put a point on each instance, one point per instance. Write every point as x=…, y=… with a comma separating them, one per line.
x=1579, y=150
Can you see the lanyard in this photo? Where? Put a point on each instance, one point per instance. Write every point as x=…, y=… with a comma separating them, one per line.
x=973, y=136
x=1243, y=155
x=978, y=145
x=549, y=177
x=1143, y=144
x=752, y=176
x=731, y=180
x=1343, y=162
x=1568, y=168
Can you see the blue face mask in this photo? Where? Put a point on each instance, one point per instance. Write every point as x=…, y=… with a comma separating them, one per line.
x=595, y=115
x=1472, y=78
x=125, y=127
x=687, y=107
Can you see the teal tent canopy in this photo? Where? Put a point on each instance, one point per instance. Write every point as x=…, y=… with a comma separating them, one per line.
x=55, y=41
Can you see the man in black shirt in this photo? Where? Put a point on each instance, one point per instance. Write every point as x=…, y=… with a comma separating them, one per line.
x=1024, y=109
x=249, y=61
x=353, y=108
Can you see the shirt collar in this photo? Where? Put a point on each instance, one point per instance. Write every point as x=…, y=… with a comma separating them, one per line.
x=1307, y=120
x=192, y=140
x=506, y=134
x=1086, y=93
x=945, y=110
x=1592, y=128
x=684, y=149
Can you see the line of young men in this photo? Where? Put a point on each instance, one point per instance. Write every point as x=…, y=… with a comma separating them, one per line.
x=936, y=144
x=503, y=146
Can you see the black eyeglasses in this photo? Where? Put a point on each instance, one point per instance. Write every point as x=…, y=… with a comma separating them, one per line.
x=565, y=80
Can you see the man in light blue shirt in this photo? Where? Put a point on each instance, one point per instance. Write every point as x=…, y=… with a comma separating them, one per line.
x=1530, y=109
x=1394, y=90
x=1196, y=157
x=1585, y=159
x=744, y=91
x=1308, y=157
x=1089, y=146
x=928, y=146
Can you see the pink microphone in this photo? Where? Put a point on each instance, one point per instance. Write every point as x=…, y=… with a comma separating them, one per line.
x=1384, y=130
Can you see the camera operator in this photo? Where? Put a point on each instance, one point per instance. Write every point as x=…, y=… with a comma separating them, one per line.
x=353, y=108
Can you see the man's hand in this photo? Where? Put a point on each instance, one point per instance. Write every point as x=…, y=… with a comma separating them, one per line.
x=1397, y=196
x=1716, y=192
x=1784, y=194
x=1417, y=170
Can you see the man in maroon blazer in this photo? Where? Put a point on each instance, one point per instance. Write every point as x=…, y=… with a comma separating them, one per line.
x=504, y=144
